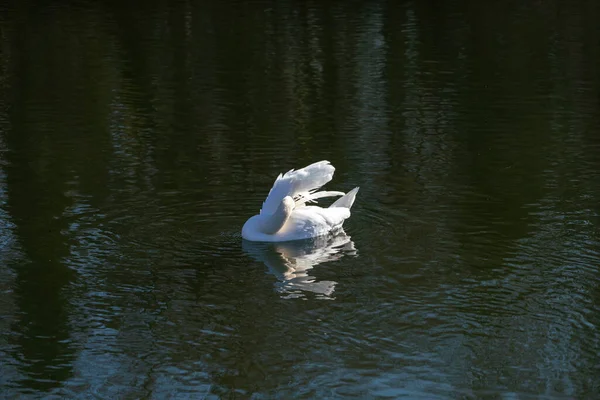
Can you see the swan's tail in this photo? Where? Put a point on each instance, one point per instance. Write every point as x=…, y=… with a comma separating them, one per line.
x=346, y=200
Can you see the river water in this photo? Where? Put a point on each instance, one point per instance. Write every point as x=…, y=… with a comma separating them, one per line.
x=135, y=142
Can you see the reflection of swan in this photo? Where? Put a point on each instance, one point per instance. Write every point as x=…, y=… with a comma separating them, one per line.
x=291, y=261
x=285, y=216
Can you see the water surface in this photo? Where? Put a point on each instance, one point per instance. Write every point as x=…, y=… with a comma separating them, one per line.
x=134, y=143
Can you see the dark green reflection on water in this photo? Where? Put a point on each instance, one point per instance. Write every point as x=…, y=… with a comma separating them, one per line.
x=135, y=142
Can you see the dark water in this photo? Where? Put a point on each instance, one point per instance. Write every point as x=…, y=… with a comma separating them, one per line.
x=135, y=142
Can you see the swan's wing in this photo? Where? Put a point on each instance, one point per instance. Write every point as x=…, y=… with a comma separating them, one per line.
x=334, y=216
x=308, y=197
x=313, y=221
x=300, y=183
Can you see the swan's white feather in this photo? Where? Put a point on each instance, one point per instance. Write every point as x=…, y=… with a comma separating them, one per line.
x=303, y=198
x=292, y=183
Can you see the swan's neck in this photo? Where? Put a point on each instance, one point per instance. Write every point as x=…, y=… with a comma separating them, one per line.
x=271, y=224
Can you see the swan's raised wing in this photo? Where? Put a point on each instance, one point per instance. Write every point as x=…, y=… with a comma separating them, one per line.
x=300, y=185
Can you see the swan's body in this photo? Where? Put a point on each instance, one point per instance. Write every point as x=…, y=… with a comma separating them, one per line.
x=285, y=215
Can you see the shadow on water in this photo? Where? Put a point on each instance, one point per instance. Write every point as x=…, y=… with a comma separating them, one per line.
x=36, y=202
x=291, y=262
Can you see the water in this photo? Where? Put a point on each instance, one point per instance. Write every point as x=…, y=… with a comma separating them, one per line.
x=134, y=143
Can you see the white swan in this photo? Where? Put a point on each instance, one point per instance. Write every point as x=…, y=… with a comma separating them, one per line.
x=285, y=216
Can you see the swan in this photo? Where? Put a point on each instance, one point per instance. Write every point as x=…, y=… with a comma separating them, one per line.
x=285, y=216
